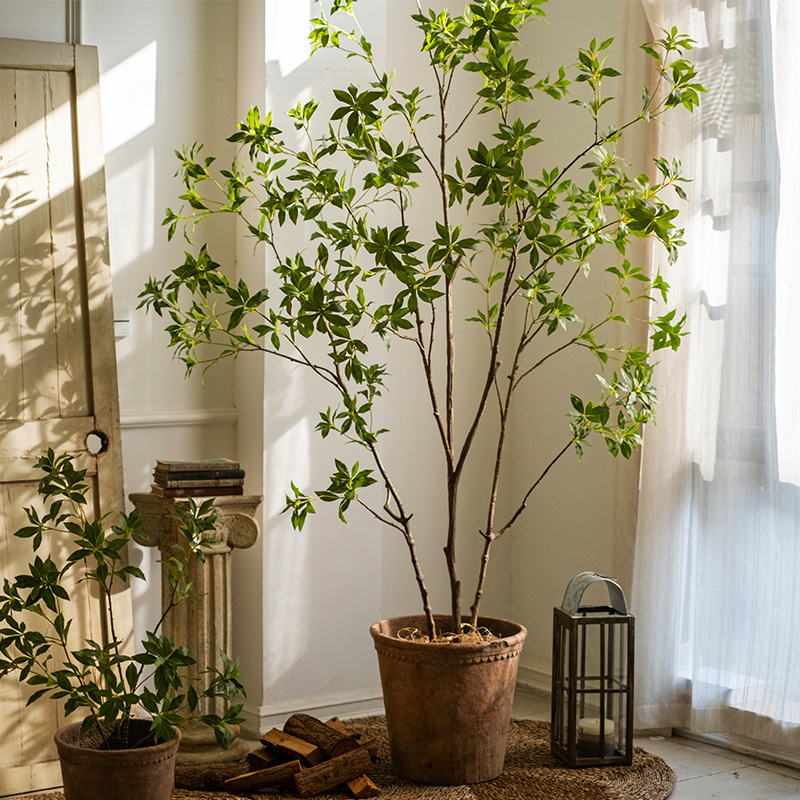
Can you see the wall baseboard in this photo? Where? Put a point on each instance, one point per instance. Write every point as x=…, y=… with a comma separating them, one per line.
x=189, y=417
x=535, y=676
x=347, y=705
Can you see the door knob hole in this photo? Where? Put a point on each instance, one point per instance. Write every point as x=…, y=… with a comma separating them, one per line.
x=96, y=443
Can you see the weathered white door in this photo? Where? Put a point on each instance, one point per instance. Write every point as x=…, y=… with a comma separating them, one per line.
x=58, y=384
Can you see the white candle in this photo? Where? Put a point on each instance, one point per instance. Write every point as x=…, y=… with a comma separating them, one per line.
x=590, y=726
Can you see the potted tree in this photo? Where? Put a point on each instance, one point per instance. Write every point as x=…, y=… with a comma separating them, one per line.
x=112, y=751
x=517, y=236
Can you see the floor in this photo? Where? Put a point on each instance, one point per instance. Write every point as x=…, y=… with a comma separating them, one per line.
x=704, y=772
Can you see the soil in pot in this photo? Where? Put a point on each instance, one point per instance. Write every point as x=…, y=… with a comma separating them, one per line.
x=124, y=765
x=448, y=706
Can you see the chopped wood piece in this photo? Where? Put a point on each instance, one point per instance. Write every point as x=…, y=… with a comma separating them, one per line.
x=293, y=746
x=208, y=777
x=337, y=725
x=265, y=757
x=331, y=773
x=362, y=786
x=261, y=778
x=370, y=744
x=310, y=729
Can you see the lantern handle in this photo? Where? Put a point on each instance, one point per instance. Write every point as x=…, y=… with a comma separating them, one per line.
x=580, y=583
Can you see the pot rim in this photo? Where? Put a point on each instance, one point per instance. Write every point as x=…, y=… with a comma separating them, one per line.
x=61, y=742
x=378, y=631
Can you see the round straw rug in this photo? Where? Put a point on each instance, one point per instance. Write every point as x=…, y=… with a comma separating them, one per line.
x=530, y=773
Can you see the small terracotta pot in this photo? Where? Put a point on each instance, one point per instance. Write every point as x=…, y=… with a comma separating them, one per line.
x=137, y=773
x=448, y=706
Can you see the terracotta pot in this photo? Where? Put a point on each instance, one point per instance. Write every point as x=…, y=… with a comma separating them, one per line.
x=448, y=706
x=125, y=774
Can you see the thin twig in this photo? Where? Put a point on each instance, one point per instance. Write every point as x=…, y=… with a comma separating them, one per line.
x=466, y=117
x=525, y=499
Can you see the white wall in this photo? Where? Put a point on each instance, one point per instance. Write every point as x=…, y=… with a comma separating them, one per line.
x=44, y=20
x=167, y=77
x=320, y=588
x=581, y=513
x=181, y=70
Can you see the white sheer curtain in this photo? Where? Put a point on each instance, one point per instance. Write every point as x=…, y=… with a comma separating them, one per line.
x=717, y=568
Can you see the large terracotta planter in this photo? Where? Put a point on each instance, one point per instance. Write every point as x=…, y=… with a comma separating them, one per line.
x=448, y=706
x=137, y=773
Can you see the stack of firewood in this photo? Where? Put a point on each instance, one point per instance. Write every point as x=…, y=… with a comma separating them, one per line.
x=310, y=756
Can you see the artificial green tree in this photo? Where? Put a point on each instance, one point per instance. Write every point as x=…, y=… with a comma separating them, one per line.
x=360, y=285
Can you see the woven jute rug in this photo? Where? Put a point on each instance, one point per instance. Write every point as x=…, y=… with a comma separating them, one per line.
x=530, y=773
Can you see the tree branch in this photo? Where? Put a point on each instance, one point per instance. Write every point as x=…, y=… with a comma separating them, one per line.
x=494, y=363
x=525, y=499
x=466, y=117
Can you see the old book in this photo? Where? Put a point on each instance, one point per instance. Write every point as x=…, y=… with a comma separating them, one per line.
x=196, y=491
x=197, y=483
x=193, y=466
x=161, y=475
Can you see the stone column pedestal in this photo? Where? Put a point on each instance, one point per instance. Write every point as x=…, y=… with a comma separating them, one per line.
x=204, y=621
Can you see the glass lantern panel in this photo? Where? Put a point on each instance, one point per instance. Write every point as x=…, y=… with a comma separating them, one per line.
x=618, y=655
x=563, y=731
x=560, y=686
x=622, y=723
x=590, y=670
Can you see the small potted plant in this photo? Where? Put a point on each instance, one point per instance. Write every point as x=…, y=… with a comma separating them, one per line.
x=512, y=238
x=113, y=751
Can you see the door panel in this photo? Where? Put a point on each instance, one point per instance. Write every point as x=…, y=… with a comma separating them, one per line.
x=57, y=362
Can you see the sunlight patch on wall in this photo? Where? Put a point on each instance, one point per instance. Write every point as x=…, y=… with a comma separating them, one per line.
x=128, y=90
x=286, y=33
x=287, y=557
x=133, y=193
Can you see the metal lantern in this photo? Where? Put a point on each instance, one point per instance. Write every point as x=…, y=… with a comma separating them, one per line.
x=592, y=700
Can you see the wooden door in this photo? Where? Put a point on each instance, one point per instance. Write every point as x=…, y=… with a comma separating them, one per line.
x=58, y=385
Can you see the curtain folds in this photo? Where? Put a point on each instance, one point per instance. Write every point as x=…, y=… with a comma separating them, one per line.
x=654, y=11
x=717, y=565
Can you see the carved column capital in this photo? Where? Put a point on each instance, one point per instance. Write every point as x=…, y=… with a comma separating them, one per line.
x=202, y=622
x=235, y=526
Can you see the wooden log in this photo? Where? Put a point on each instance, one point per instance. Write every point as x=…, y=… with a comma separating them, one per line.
x=333, y=772
x=207, y=777
x=292, y=746
x=337, y=725
x=362, y=786
x=262, y=778
x=370, y=744
x=331, y=742
x=265, y=757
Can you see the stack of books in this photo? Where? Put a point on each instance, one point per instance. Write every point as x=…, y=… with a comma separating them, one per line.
x=219, y=476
